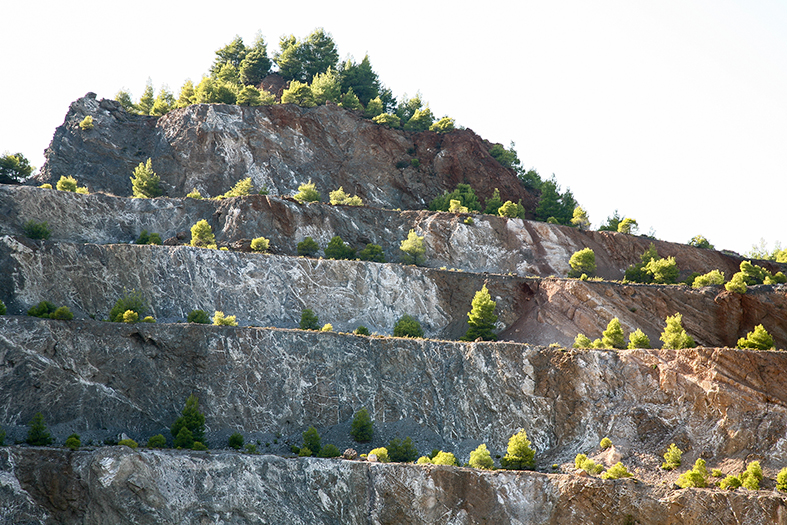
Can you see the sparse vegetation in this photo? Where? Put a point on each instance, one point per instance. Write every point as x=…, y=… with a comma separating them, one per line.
x=190, y=426
x=148, y=238
x=73, y=442
x=128, y=443
x=340, y=197
x=372, y=252
x=708, y=279
x=311, y=441
x=696, y=477
x=582, y=462
x=481, y=319
x=337, y=249
x=481, y=458
x=605, y=443
x=381, y=453
x=36, y=230
x=402, y=451
x=157, y=441
x=235, y=441
x=613, y=336
x=638, y=339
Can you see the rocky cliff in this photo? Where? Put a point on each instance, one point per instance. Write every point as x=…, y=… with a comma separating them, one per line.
x=116, y=485
x=210, y=147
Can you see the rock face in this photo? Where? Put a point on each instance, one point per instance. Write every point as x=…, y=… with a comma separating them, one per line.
x=117, y=485
x=210, y=147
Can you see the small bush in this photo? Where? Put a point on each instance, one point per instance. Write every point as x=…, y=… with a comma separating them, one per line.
x=250, y=448
x=148, y=319
x=605, y=443
x=311, y=440
x=148, y=238
x=445, y=458
x=781, y=480
x=190, y=426
x=372, y=252
x=674, y=335
x=381, y=453
x=46, y=186
x=4, y=309
x=519, y=455
x=309, y=320
x=67, y=183
x=759, y=339
x=328, y=327
x=202, y=235
x=361, y=330
x=708, y=279
x=260, y=244
x=132, y=300
x=582, y=462
x=730, y=483
x=144, y=182
x=241, y=189
x=337, y=249
x=73, y=442
x=305, y=452
x=62, y=314
x=194, y=194
x=616, y=471
x=638, y=339
x=362, y=427
x=412, y=248
x=696, y=477
x=128, y=443
x=198, y=316
x=672, y=457
x=408, y=326
x=235, y=441
x=36, y=230
x=481, y=458
x=307, y=193
x=340, y=197
x=752, y=476
x=582, y=341
x=157, y=441
x=307, y=247
x=329, y=451
x=737, y=284
x=402, y=451
x=717, y=473
x=613, y=336
x=582, y=262
x=43, y=309
x=469, y=221
x=415, y=162
x=37, y=433
x=219, y=319
x=86, y=124
x=130, y=316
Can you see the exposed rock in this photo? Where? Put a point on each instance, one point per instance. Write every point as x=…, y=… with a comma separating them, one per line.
x=212, y=146
x=116, y=485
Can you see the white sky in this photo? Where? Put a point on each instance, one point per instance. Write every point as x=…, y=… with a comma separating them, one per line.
x=672, y=112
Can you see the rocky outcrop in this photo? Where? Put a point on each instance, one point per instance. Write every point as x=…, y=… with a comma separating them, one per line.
x=100, y=379
x=117, y=485
x=212, y=146
x=272, y=290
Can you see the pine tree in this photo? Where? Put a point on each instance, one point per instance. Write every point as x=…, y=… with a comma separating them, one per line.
x=145, y=183
x=147, y=99
x=674, y=335
x=580, y=219
x=519, y=454
x=613, y=336
x=37, y=434
x=413, y=248
x=759, y=339
x=362, y=427
x=202, y=235
x=494, y=203
x=191, y=419
x=481, y=318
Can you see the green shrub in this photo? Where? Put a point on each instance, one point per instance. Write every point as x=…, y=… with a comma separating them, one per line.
x=235, y=441
x=46, y=186
x=132, y=300
x=362, y=427
x=737, y=284
x=605, y=443
x=340, y=197
x=481, y=319
x=250, y=448
x=219, y=319
x=128, y=443
x=86, y=124
x=62, y=314
x=198, y=445
x=305, y=452
x=43, y=309
x=148, y=238
x=307, y=247
x=672, y=457
x=481, y=458
x=241, y=189
x=67, y=183
x=781, y=479
x=730, y=483
x=717, y=473
x=511, y=210
x=307, y=193
x=198, y=316
x=387, y=119
x=708, y=279
x=674, y=335
x=260, y=244
x=582, y=261
x=157, y=441
x=309, y=320
x=445, y=458
x=628, y=226
x=413, y=248
x=752, y=476
x=202, y=235
x=194, y=194
x=361, y=330
x=455, y=206
x=311, y=440
x=519, y=455
x=73, y=442
x=696, y=477
x=424, y=460
x=130, y=316
x=469, y=221
x=582, y=462
x=192, y=421
x=36, y=230
x=759, y=339
x=408, y=326
x=144, y=182
x=664, y=271
x=329, y=451
x=372, y=252
x=37, y=433
x=463, y=193
x=327, y=327
x=402, y=451
x=444, y=125
x=638, y=339
x=613, y=336
x=698, y=241
x=2, y=436
x=337, y=249
x=381, y=453
x=616, y=471
x=4, y=309
x=582, y=341
x=148, y=319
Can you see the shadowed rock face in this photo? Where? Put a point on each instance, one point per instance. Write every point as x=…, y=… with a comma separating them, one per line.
x=212, y=146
